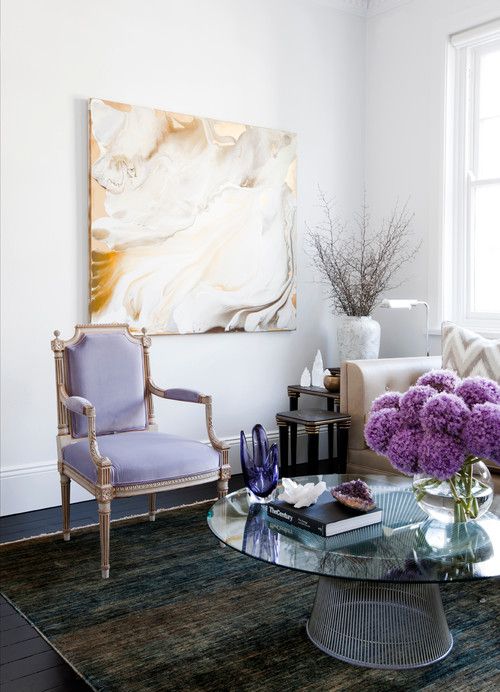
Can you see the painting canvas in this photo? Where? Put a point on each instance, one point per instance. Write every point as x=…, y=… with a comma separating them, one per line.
x=192, y=222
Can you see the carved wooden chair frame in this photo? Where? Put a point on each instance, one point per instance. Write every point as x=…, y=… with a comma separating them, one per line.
x=102, y=489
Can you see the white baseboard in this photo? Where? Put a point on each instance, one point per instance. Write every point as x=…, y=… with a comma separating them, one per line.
x=36, y=486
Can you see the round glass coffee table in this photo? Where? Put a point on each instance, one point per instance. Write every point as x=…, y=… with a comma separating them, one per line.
x=377, y=602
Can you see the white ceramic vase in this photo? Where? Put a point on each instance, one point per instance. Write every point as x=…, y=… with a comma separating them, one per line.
x=358, y=338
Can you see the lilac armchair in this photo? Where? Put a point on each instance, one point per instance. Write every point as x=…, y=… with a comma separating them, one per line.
x=107, y=436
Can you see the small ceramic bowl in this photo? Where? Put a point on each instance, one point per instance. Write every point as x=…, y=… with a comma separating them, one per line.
x=332, y=383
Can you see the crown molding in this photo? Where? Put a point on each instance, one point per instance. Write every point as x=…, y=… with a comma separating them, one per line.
x=357, y=7
x=363, y=8
x=374, y=7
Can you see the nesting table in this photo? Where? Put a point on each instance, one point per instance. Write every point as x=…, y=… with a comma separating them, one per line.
x=332, y=404
x=313, y=420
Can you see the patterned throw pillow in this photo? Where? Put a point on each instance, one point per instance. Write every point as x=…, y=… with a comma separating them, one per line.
x=469, y=353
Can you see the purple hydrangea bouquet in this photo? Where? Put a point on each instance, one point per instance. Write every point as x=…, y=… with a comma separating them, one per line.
x=440, y=431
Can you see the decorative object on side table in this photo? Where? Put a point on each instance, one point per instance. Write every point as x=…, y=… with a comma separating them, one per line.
x=317, y=373
x=357, y=268
x=440, y=431
x=260, y=469
x=313, y=377
x=331, y=379
x=305, y=378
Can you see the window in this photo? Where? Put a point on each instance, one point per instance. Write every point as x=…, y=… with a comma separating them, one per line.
x=472, y=244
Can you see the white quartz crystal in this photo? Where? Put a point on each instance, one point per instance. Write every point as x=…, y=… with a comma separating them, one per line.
x=305, y=378
x=301, y=495
x=317, y=370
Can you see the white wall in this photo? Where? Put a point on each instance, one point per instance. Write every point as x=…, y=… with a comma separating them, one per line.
x=405, y=117
x=291, y=64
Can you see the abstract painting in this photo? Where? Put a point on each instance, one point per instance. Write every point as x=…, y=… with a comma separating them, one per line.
x=192, y=222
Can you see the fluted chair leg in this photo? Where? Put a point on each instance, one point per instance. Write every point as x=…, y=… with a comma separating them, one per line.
x=222, y=487
x=152, y=506
x=65, y=497
x=104, y=522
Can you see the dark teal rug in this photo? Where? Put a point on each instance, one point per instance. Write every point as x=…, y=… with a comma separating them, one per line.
x=181, y=613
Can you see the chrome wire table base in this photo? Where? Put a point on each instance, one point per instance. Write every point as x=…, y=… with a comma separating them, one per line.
x=379, y=624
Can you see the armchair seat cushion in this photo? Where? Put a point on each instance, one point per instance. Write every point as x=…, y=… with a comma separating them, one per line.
x=143, y=457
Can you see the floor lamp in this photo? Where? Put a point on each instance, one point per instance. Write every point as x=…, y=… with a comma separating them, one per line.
x=408, y=304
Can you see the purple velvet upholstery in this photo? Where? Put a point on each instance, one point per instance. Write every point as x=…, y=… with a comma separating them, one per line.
x=182, y=395
x=108, y=370
x=77, y=404
x=141, y=457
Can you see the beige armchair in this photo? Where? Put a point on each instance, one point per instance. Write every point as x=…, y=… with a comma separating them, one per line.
x=361, y=381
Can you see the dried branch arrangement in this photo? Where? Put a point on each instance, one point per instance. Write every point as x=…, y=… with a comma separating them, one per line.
x=358, y=267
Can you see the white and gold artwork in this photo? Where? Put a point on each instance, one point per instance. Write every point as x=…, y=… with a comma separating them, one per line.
x=192, y=222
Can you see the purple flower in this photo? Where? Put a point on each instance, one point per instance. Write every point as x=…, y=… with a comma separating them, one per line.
x=387, y=400
x=412, y=402
x=444, y=413
x=441, y=380
x=441, y=455
x=404, y=449
x=380, y=428
x=482, y=432
x=478, y=390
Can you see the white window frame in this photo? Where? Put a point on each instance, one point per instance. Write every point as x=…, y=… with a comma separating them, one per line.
x=461, y=161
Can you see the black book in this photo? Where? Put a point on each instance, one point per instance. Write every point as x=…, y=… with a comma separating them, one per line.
x=327, y=517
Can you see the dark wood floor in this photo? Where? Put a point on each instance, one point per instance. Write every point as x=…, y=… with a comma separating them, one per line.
x=27, y=662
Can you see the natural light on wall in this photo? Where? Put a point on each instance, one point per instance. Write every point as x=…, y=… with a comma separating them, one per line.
x=473, y=245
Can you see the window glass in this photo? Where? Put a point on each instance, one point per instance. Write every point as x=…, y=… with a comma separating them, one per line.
x=485, y=254
x=488, y=110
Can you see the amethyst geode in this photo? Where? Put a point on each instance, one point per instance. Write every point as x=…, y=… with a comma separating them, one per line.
x=355, y=494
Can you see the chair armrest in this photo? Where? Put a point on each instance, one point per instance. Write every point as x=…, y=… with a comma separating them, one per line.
x=361, y=381
x=214, y=440
x=176, y=394
x=83, y=407
x=77, y=404
x=195, y=398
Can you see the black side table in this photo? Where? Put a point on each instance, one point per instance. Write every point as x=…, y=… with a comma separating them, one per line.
x=332, y=404
x=312, y=420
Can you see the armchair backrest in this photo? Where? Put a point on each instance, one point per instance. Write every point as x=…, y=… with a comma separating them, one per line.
x=361, y=381
x=108, y=366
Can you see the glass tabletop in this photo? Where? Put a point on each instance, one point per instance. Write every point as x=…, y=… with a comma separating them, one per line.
x=405, y=547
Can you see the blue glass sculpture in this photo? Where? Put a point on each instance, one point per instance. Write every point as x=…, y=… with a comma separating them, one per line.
x=260, y=470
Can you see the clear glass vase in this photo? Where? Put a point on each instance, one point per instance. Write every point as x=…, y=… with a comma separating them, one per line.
x=465, y=496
